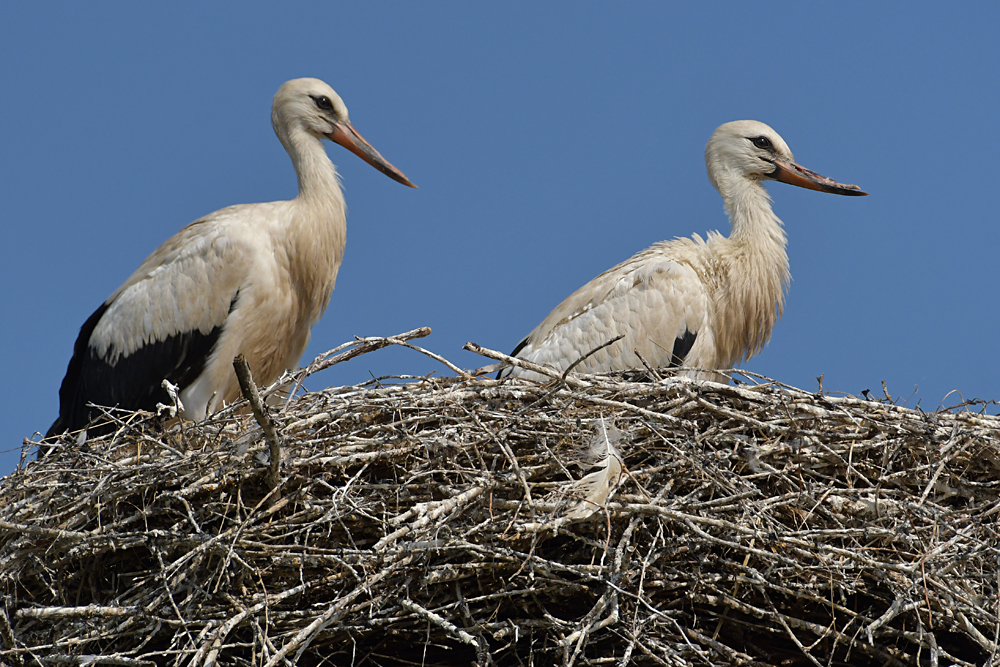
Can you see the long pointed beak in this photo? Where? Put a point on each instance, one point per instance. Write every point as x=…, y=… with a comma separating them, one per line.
x=795, y=174
x=344, y=134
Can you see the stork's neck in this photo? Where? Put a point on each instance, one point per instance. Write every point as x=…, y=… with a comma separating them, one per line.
x=319, y=182
x=316, y=229
x=755, y=270
x=753, y=222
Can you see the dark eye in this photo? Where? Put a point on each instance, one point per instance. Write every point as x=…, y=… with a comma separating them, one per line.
x=323, y=102
x=762, y=142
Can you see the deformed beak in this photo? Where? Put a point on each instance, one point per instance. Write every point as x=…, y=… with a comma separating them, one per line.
x=344, y=134
x=789, y=172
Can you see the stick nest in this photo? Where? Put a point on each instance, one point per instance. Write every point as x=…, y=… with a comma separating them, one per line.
x=435, y=521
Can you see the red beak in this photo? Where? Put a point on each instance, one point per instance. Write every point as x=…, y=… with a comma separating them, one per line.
x=794, y=174
x=344, y=134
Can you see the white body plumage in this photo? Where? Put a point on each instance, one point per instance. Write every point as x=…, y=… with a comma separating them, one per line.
x=702, y=304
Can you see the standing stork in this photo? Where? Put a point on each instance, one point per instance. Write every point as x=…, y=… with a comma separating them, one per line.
x=702, y=304
x=250, y=279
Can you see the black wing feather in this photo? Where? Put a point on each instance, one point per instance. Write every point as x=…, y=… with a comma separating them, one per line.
x=69, y=408
x=682, y=345
x=133, y=382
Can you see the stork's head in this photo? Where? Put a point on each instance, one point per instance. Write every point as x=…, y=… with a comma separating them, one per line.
x=748, y=150
x=312, y=106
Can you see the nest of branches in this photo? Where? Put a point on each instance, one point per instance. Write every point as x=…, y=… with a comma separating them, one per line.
x=636, y=520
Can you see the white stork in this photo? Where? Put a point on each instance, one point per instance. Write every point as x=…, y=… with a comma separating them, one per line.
x=251, y=279
x=702, y=304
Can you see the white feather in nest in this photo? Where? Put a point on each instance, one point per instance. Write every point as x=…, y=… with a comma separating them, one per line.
x=595, y=488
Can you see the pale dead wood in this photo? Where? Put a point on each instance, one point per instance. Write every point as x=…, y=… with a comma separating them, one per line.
x=249, y=390
x=431, y=521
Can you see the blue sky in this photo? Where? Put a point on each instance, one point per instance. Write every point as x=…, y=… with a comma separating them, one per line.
x=550, y=141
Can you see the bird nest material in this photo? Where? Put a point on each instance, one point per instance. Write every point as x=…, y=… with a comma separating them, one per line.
x=446, y=521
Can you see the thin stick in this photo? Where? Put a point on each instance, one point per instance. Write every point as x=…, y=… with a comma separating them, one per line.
x=527, y=365
x=263, y=417
x=364, y=346
x=335, y=356
x=591, y=353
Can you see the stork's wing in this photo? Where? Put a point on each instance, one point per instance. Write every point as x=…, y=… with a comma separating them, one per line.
x=659, y=305
x=162, y=323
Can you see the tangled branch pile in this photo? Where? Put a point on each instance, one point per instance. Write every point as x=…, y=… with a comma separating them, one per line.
x=436, y=522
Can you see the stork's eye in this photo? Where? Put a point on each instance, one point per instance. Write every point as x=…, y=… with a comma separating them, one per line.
x=762, y=142
x=323, y=102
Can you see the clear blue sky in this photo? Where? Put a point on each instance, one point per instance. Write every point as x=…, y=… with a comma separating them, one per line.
x=550, y=141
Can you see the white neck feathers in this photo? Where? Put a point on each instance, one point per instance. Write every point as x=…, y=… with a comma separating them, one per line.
x=753, y=271
x=315, y=245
